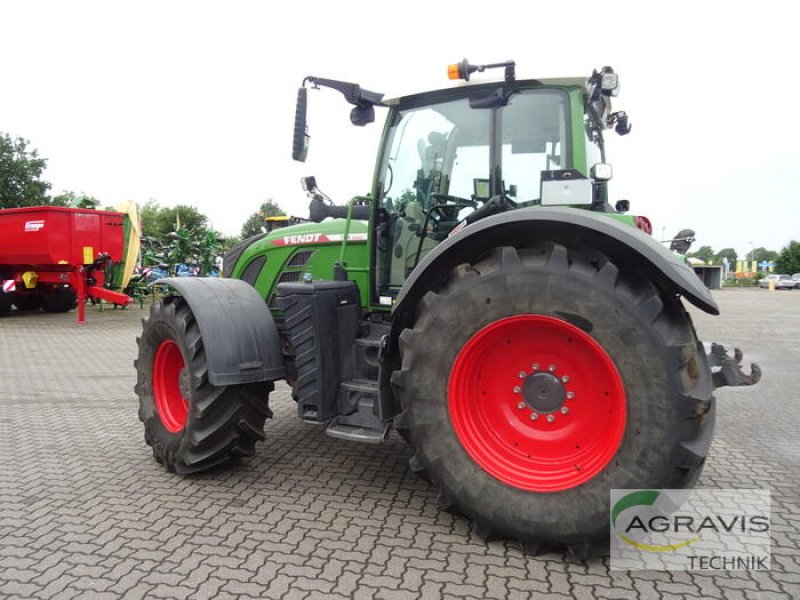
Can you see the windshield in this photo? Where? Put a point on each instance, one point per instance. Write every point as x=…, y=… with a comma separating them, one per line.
x=446, y=149
x=444, y=160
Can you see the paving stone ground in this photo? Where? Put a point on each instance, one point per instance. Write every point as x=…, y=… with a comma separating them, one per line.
x=85, y=512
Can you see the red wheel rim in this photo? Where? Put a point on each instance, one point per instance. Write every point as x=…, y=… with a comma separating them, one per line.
x=537, y=403
x=171, y=406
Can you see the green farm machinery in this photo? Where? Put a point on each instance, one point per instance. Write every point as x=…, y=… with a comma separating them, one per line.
x=484, y=299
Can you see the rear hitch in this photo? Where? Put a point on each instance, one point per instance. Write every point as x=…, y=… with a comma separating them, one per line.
x=727, y=369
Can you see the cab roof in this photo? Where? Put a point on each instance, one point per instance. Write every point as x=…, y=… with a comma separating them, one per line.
x=457, y=90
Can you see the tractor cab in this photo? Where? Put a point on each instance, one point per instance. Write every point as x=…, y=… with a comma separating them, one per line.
x=451, y=157
x=454, y=156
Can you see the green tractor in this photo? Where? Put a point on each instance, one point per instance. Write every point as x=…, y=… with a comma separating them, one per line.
x=485, y=300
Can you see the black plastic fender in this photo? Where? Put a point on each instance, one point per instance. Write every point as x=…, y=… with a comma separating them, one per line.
x=627, y=246
x=240, y=339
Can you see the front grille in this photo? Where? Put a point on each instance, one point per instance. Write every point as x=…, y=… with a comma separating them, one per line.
x=253, y=270
x=300, y=259
x=288, y=276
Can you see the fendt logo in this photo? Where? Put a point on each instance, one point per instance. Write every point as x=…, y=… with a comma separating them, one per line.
x=302, y=238
x=313, y=238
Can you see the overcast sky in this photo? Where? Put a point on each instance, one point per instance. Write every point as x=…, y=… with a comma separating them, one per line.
x=193, y=102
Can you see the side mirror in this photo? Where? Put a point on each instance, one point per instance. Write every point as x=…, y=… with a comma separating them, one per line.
x=301, y=137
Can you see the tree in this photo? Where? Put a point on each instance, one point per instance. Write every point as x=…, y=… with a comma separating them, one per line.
x=148, y=215
x=728, y=253
x=255, y=222
x=75, y=200
x=704, y=253
x=20, y=174
x=762, y=254
x=229, y=242
x=158, y=221
x=788, y=260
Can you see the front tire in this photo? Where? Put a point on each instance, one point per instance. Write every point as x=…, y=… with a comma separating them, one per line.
x=609, y=366
x=191, y=424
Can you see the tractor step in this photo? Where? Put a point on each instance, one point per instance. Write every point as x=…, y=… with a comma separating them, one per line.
x=359, y=385
x=361, y=425
x=354, y=433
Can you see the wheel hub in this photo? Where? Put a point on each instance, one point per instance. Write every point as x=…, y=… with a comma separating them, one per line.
x=543, y=393
x=537, y=403
x=170, y=386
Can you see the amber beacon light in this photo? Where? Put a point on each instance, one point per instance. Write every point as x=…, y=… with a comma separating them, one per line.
x=463, y=70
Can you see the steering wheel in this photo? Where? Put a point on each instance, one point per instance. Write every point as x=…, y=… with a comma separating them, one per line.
x=448, y=206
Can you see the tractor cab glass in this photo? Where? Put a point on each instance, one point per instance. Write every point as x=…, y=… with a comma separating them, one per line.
x=442, y=161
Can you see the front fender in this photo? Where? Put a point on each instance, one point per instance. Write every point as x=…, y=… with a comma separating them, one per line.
x=240, y=340
x=627, y=246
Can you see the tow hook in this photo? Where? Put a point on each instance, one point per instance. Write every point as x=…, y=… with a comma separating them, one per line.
x=727, y=369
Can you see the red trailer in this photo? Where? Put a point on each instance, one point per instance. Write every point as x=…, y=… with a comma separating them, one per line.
x=53, y=257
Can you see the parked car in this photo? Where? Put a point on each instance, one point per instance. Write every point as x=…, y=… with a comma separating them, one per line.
x=782, y=282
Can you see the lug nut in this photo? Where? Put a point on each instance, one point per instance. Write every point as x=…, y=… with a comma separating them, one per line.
x=551, y=368
x=521, y=405
x=522, y=374
x=517, y=389
x=565, y=378
x=535, y=366
x=564, y=410
x=534, y=416
x=570, y=395
x=550, y=418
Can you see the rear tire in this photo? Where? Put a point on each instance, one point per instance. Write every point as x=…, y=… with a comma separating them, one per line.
x=60, y=300
x=468, y=410
x=191, y=424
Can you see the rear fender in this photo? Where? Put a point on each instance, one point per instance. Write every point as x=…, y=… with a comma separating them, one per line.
x=626, y=246
x=240, y=340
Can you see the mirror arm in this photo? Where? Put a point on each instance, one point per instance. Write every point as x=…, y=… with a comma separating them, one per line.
x=352, y=92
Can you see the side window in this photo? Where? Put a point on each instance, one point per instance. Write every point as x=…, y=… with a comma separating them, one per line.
x=435, y=152
x=471, y=163
x=417, y=161
x=534, y=134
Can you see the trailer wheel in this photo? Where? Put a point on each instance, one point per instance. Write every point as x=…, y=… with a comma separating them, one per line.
x=59, y=300
x=28, y=302
x=191, y=424
x=5, y=303
x=537, y=380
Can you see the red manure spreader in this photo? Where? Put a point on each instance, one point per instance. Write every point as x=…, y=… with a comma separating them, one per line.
x=54, y=258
